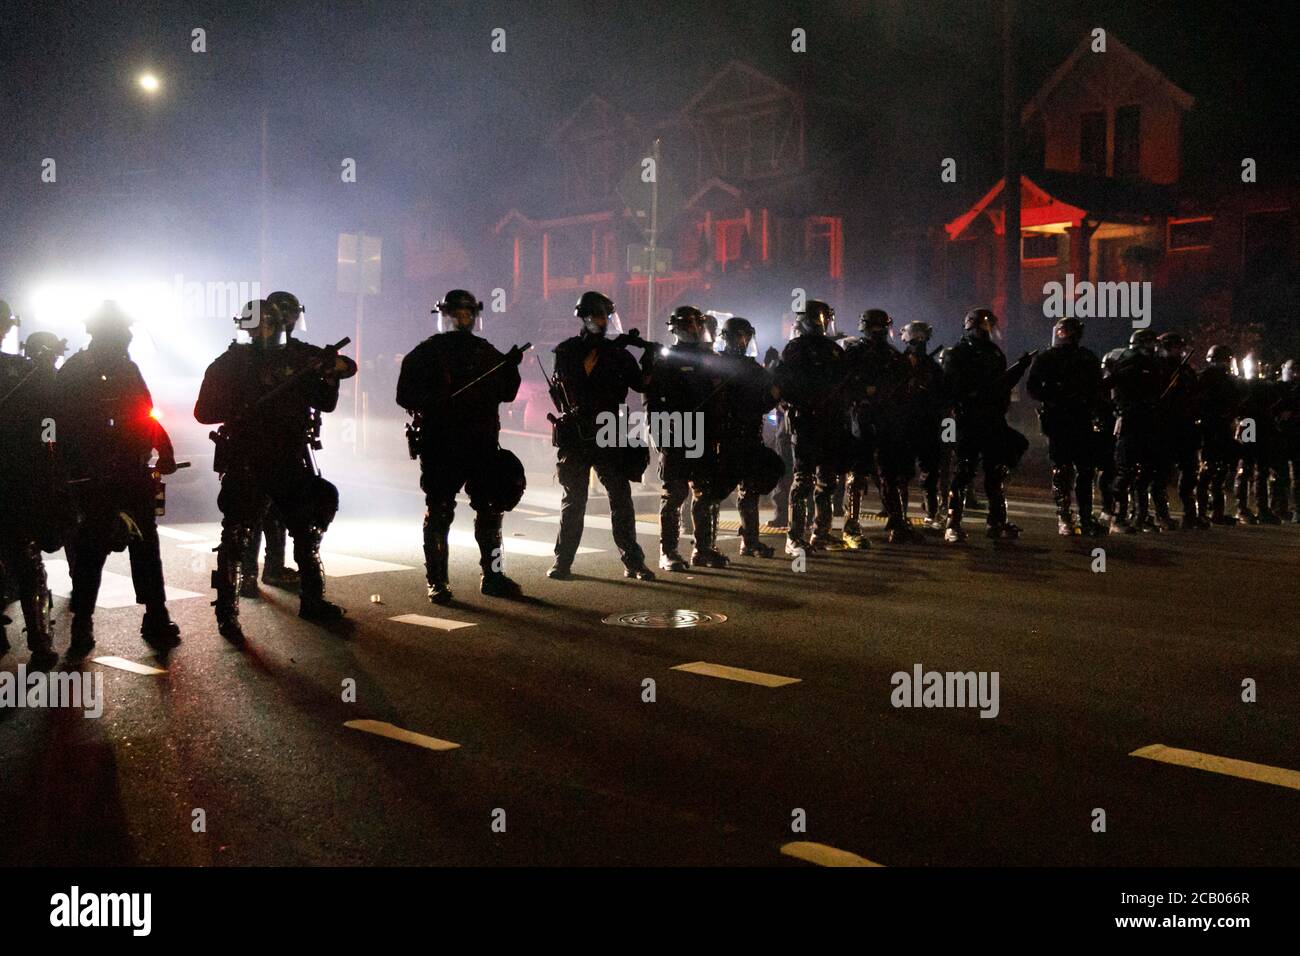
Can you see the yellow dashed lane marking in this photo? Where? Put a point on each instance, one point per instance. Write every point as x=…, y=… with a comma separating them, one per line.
x=736, y=673
x=824, y=855
x=1261, y=773
x=384, y=729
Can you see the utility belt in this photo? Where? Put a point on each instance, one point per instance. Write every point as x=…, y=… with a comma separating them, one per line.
x=570, y=431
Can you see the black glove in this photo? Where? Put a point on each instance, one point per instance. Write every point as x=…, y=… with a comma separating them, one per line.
x=516, y=355
x=770, y=356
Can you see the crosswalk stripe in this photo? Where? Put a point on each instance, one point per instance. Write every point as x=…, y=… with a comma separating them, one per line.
x=384, y=729
x=423, y=620
x=736, y=674
x=115, y=590
x=824, y=855
x=1245, y=769
x=122, y=664
x=177, y=533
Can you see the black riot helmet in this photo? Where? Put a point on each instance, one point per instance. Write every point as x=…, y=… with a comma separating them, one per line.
x=590, y=307
x=1173, y=344
x=1067, y=330
x=458, y=311
x=1220, y=356
x=109, y=326
x=737, y=337
x=817, y=318
x=1143, y=340
x=261, y=320
x=688, y=327
x=45, y=346
x=980, y=321
x=916, y=336
x=288, y=308
x=876, y=323
x=917, y=331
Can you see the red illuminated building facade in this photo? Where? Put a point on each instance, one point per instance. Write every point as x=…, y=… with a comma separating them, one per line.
x=1104, y=197
x=745, y=168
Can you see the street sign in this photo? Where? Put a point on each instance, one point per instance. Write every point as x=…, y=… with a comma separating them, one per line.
x=638, y=260
x=359, y=263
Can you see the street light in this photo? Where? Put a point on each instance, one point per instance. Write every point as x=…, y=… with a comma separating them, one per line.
x=149, y=83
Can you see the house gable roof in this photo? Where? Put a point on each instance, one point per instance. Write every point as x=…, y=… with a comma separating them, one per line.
x=1114, y=47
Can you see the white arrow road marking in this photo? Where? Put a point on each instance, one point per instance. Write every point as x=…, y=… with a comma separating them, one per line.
x=122, y=664
x=423, y=620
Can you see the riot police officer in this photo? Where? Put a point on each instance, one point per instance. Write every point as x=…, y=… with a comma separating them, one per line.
x=1178, y=441
x=747, y=461
x=1258, y=442
x=1288, y=419
x=976, y=376
x=453, y=382
x=811, y=378
x=1066, y=380
x=878, y=383
x=275, y=572
x=925, y=405
x=264, y=395
x=33, y=511
x=108, y=433
x=682, y=393
x=1219, y=405
x=1135, y=380
x=593, y=373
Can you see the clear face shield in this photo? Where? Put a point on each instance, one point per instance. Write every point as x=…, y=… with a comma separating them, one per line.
x=602, y=325
x=462, y=319
x=692, y=331
x=730, y=345
x=1288, y=371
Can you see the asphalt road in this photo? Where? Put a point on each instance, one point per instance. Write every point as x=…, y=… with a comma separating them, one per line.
x=558, y=743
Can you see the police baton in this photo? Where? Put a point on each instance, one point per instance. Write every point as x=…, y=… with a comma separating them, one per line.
x=521, y=348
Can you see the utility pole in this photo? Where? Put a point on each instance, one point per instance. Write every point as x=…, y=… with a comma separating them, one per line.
x=1010, y=173
x=263, y=277
x=654, y=240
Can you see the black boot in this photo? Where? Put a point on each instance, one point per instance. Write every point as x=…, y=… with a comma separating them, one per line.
x=751, y=545
x=274, y=572
x=248, y=564
x=36, y=615
x=435, y=557
x=226, y=580
x=83, y=634
x=158, y=630
x=312, y=605
x=491, y=560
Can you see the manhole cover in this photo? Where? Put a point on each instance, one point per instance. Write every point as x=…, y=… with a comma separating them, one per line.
x=678, y=618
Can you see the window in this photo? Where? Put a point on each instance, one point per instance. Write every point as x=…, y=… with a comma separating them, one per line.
x=1041, y=247
x=1190, y=233
x=1128, y=140
x=1092, y=143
